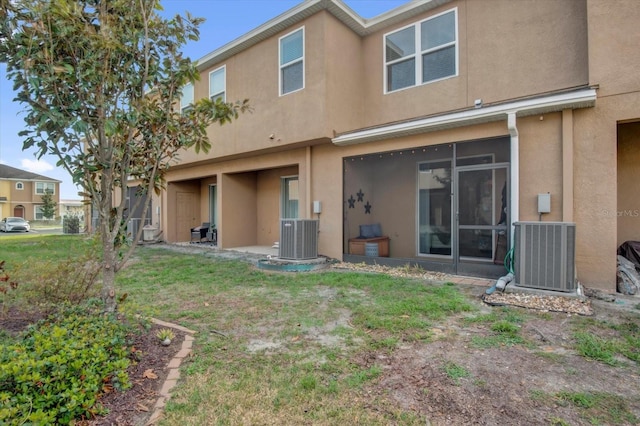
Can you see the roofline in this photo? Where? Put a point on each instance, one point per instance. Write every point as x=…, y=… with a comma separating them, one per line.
x=582, y=98
x=307, y=8
x=32, y=180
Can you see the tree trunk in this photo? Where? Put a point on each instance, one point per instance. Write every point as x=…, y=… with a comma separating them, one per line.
x=109, y=257
x=108, y=287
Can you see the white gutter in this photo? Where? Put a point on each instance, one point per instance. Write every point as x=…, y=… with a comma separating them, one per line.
x=582, y=98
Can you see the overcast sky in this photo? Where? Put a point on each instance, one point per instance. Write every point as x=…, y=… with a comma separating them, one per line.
x=226, y=20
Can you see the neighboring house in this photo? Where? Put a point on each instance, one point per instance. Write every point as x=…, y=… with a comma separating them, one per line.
x=21, y=192
x=440, y=120
x=72, y=208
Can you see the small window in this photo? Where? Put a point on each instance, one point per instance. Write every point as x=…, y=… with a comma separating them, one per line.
x=186, y=100
x=292, y=62
x=217, y=85
x=19, y=186
x=45, y=187
x=422, y=53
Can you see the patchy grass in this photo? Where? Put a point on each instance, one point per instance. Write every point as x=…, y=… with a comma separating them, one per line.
x=317, y=348
x=607, y=342
x=504, y=325
x=296, y=345
x=455, y=372
x=596, y=408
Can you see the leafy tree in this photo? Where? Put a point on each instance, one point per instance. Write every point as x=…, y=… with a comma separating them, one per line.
x=100, y=81
x=48, y=205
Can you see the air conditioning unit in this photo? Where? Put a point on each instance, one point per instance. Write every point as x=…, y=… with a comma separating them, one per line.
x=544, y=256
x=298, y=239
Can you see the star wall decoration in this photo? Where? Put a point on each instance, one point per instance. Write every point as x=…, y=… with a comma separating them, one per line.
x=352, y=202
x=360, y=195
x=367, y=208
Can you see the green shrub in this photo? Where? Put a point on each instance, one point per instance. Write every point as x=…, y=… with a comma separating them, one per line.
x=57, y=372
x=71, y=225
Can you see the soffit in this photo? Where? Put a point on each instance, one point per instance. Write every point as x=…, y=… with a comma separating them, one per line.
x=582, y=98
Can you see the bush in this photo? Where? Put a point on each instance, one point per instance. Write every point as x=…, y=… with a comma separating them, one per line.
x=48, y=283
x=71, y=225
x=57, y=372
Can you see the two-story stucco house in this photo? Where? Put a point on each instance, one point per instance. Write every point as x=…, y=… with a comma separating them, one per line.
x=441, y=120
x=21, y=193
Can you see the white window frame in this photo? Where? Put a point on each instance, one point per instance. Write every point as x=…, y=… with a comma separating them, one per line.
x=419, y=53
x=19, y=186
x=37, y=209
x=45, y=186
x=223, y=93
x=184, y=106
x=281, y=66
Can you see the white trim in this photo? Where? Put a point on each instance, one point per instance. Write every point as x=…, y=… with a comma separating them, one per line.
x=584, y=98
x=302, y=59
x=419, y=53
x=45, y=187
x=224, y=84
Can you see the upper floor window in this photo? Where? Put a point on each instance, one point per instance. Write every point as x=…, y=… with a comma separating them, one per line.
x=217, y=84
x=186, y=100
x=292, y=62
x=19, y=186
x=44, y=187
x=422, y=53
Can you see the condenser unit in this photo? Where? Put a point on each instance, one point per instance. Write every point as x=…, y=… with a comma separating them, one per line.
x=544, y=256
x=298, y=239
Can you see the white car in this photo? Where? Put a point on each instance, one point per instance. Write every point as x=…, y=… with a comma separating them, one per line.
x=9, y=224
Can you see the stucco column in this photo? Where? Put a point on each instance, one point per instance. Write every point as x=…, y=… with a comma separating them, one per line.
x=567, y=165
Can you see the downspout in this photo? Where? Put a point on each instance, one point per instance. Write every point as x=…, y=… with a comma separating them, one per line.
x=502, y=282
x=307, y=159
x=515, y=171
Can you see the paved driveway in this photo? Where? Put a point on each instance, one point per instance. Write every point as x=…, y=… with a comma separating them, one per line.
x=42, y=231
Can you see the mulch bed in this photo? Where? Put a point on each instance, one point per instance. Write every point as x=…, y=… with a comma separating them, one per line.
x=571, y=305
x=146, y=373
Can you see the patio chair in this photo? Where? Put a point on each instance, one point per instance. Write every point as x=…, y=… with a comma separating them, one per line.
x=200, y=232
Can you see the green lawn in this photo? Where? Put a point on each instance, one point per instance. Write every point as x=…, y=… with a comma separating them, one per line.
x=302, y=348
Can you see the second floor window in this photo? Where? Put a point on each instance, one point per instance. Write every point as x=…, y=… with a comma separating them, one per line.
x=44, y=187
x=19, y=186
x=422, y=53
x=217, y=84
x=186, y=100
x=292, y=62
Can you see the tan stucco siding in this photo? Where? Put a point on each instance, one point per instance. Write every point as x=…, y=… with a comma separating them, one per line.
x=540, y=165
x=506, y=50
x=292, y=118
x=615, y=70
x=524, y=47
x=595, y=194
